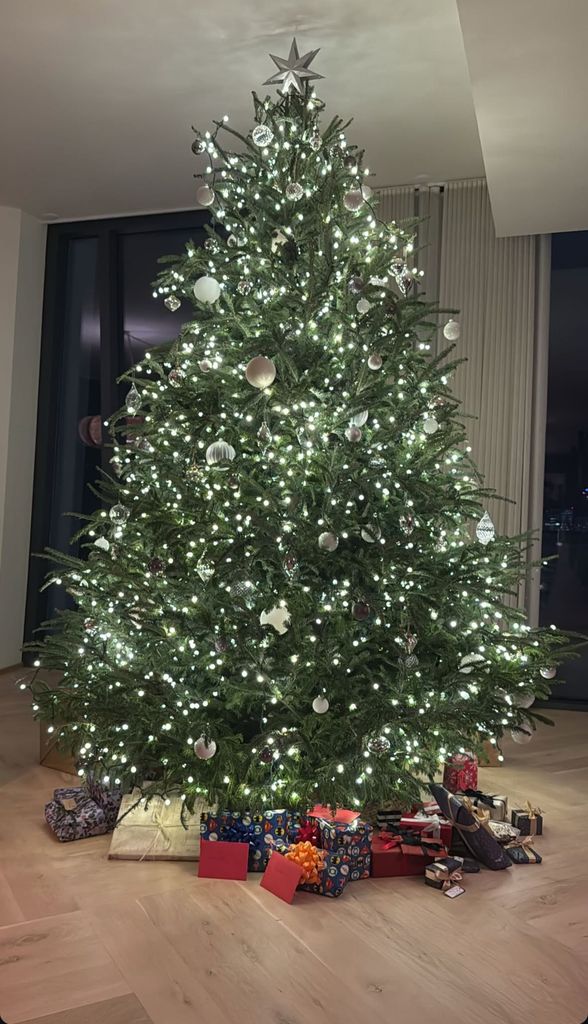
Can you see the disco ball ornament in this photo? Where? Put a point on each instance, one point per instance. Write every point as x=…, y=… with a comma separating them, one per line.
x=203, y=749
x=245, y=591
x=278, y=617
x=220, y=452
x=156, y=566
x=132, y=400
x=119, y=514
x=371, y=533
x=430, y=425
x=207, y=290
x=361, y=611
x=524, y=732
x=212, y=245
x=205, y=195
x=198, y=146
x=320, y=705
x=244, y=285
x=355, y=284
x=452, y=330
x=353, y=434
x=378, y=745
x=176, y=377
x=411, y=662
x=262, y=135
x=469, y=661
x=328, y=541
x=102, y=544
x=294, y=191
x=205, y=365
x=360, y=419
x=260, y=372
x=363, y=306
x=205, y=569
x=172, y=303
x=375, y=361
x=548, y=672
x=485, y=531
x=353, y=200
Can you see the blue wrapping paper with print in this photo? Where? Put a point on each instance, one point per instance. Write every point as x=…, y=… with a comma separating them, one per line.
x=353, y=840
x=263, y=831
x=334, y=876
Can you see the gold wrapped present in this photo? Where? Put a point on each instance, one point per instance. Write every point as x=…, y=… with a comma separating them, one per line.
x=154, y=830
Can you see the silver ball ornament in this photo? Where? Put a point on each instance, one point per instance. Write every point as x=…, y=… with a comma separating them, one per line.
x=328, y=541
x=262, y=135
x=218, y=452
x=524, y=733
x=375, y=361
x=548, y=672
x=119, y=514
x=363, y=306
x=320, y=705
x=205, y=195
x=204, y=750
x=294, y=191
x=378, y=745
x=260, y=372
x=353, y=200
x=353, y=434
x=430, y=425
x=523, y=700
x=451, y=331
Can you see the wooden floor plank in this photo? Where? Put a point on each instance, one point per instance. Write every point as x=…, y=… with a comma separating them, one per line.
x=124, y=1010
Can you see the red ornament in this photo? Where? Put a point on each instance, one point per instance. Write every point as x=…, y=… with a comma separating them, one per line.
x=156, y=566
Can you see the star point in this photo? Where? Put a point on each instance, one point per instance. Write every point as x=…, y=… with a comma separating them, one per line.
x=293, y=71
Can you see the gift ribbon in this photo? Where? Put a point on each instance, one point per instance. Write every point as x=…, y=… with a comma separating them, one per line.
x=482, y=817
x=532, y=814
x=523, y=843
x=476, y=794
x=308, y=833
x=156, y=820
x=406, y=838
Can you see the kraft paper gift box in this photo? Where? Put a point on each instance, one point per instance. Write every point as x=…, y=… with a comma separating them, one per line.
x=153, y=830
x=349, y=839
x=264, y=831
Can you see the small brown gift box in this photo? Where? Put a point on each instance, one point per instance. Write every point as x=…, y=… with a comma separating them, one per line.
x=154, y=830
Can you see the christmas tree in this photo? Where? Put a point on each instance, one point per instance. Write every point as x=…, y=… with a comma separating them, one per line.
x=292, y=591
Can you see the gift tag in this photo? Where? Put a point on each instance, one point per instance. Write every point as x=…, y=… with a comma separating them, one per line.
x=456, y=890
x=69, y=804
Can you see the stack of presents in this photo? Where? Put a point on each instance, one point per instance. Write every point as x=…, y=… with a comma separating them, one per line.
x=324, y=850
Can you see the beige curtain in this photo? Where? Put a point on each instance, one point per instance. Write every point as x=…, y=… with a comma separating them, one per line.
x=501, y=288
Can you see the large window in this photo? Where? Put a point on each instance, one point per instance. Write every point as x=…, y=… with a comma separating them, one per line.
x=564, y=581
x=99, y=317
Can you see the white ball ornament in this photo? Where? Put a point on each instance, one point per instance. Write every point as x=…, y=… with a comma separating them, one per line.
x=524, y=733
x=370, y=534
x=278, y=617
x=218, y=452
x=207, y=290
x=548, y=672
x=353, y=200
x=102, y=543
x=328, y=541
x=375, y=362
x=204, y=750
x=260, y=372
x=353, y=434
x=205, y=195
x=262, y=135
x=430, y=425
x=205, y=365
x=363, y=306
x=451, y=331
x=320, y=705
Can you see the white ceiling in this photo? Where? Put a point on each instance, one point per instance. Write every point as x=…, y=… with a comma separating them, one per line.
x=97, y=96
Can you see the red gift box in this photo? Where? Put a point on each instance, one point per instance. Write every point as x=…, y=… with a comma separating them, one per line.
x=392, y=857
x=461, y=773
x=433, y=827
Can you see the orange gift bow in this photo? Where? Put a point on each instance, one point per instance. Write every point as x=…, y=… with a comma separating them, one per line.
x=310, y=860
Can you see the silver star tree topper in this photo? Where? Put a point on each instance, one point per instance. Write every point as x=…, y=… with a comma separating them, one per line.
x=293, y=71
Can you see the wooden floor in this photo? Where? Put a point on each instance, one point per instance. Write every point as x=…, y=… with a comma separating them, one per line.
x=88, y=941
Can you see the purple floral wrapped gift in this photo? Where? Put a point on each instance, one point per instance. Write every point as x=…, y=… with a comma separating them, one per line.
x=76, y=813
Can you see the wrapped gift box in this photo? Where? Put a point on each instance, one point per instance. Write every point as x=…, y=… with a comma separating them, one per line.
x=349, y=839
x=264, y=832
x=153, y=830
x=392, y=855
x=529, y=821
x=496, y=804
x=461, y=773
x=335, y=875
x=74, y=814
x=430, y=825
x=442, y=873
x=521, y=853
x=388, y=819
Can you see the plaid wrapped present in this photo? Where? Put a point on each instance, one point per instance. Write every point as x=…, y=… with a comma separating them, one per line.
x=74, y=814
x=334, y=875
x=349, y=839
x=264, y=831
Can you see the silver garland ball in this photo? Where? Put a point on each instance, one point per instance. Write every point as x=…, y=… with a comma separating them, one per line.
x=548, y=672
x=204, y=750
x=375, y=361
x=353, y=434
x=524, y=733
x=355, y=284
x=363, y=306
x=451, y=331
x=172, y=303
x=353, y=200
x=205, y=195
x=207, y=290
x=378, y=745
x=260, y=372
x=176, y=377
x=119, y=514
x=244, y=285
x=294, y=191
x=328, y=541
x=262, y=135
x=219, y=452
x=320, y=705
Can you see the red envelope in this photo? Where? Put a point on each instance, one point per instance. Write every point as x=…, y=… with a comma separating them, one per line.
x=223, y=860
x=281, y=877
x=341, y=815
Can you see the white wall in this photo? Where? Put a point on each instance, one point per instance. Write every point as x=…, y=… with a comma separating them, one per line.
x=22, y=267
